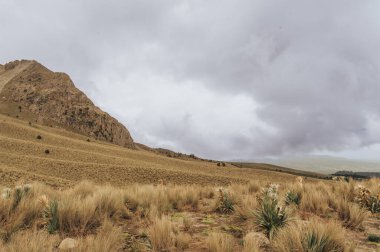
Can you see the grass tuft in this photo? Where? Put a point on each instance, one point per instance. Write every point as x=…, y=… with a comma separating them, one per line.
x=220, y=242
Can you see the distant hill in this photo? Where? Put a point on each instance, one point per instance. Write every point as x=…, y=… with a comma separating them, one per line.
x=276, y=168
x=171, y=154
x=326, y=164
x=358, y=174
x=30, y=91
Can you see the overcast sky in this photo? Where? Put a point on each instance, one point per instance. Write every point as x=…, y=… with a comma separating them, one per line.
x=236, y=79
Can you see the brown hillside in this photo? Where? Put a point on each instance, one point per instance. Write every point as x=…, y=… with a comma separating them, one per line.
x=71, y=159
x=31, y=91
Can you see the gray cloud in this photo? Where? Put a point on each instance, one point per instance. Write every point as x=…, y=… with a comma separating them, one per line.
x=221, y=79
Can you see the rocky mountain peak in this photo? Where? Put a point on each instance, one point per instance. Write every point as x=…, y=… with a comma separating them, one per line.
x=52, y=98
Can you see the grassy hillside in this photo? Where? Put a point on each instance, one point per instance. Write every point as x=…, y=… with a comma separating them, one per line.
x=74, y=157
x=142, y=200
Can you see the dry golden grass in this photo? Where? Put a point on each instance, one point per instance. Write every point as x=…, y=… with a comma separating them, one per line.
x=107, y=238
x=220, y=242
x=352, y=215
x=315, y=200
x=31, y=240
x=110, y=198
x=313, y=236
x=73, y=159
x=182, y=241
x=161, y=234
x=175, y=218
x=251, y=243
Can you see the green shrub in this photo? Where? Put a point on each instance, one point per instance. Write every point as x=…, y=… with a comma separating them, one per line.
x=374, y=205
x=293, y=197
x=225, y=203
x=374, y=238
x=366, y=200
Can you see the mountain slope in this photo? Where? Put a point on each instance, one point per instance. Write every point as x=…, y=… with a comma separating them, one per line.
x=72, y=158
x=31, y=91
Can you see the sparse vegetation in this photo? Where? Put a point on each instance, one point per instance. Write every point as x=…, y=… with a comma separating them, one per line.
x=141, y=201
x=169, y=217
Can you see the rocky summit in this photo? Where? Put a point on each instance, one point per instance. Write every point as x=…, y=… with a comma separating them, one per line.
x=30, y=90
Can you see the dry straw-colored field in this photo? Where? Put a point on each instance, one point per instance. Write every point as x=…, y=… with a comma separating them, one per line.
x=72, y=158
x=135, y=200
x=241, y=217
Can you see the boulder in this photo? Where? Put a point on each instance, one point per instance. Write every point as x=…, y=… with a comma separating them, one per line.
x=68, y=243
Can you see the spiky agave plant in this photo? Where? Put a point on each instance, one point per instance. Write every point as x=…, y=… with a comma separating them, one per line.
x=50, y=214
x=226, y=203
x=270, y=216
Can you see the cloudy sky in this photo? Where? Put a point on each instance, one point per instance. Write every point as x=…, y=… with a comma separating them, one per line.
x=236, y=79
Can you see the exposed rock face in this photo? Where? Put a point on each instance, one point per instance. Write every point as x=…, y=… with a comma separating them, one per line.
x=52, y=97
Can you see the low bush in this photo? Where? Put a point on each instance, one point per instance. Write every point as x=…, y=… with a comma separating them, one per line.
x=225, y=203
x=374, y=238
x=293, y=197
x=367, y=200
